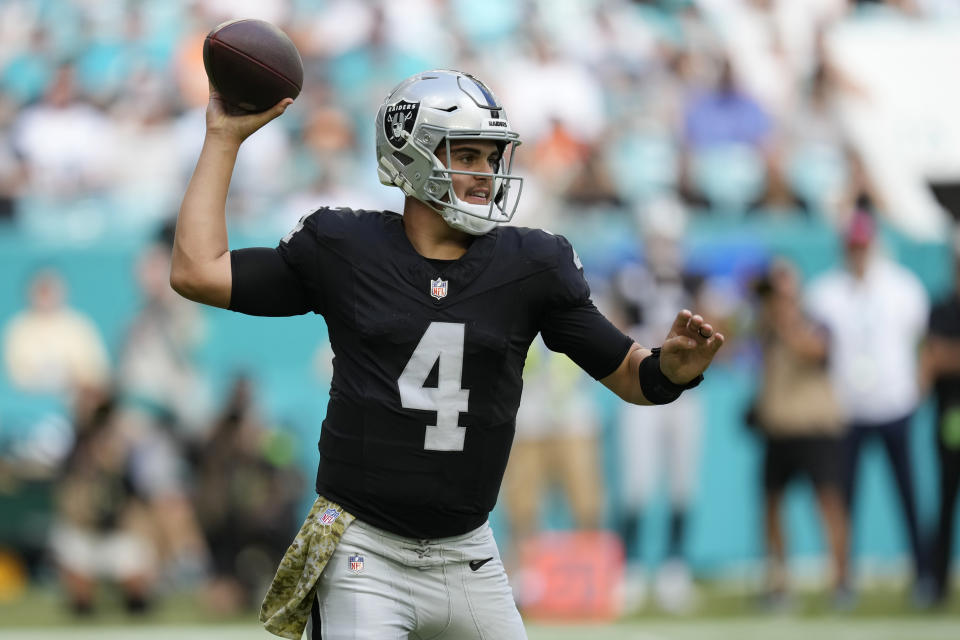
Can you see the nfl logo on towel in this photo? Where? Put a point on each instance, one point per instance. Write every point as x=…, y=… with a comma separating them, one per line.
x=438, y=288
x=355, y=563
x=329, y=516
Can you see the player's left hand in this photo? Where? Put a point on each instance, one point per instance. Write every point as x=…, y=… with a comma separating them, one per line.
x=689, y=347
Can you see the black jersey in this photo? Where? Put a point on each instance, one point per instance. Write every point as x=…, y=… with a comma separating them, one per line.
x=428, y=359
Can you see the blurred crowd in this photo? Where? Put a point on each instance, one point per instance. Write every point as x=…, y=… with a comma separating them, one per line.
x=154, y=489
x=843, y=359
x=726, y=104
x=637, y=115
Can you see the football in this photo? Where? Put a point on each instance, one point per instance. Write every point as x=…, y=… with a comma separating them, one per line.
x=252, y=64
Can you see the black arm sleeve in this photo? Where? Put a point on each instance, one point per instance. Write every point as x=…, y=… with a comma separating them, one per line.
x=573, y=325
x=587, y=337
x=263, y=284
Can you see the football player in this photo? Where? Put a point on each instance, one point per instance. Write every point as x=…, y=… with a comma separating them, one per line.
x=430, y=314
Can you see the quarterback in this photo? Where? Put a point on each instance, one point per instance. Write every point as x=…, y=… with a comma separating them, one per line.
x=430, y=314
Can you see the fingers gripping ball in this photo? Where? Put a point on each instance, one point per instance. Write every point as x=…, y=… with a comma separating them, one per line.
x=252, y=64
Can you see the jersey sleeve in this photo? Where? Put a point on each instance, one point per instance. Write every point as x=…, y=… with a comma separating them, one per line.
x=279, y=282
x=573, y=325
x=263, y=284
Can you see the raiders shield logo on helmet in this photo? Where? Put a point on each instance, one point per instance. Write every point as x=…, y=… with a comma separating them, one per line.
x=398, y=118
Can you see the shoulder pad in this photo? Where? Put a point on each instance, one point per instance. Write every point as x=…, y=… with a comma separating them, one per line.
x=337, y=223
x=536, y=245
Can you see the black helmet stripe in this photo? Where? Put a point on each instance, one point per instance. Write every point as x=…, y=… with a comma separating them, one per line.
x=491, y=102
x=479, y=93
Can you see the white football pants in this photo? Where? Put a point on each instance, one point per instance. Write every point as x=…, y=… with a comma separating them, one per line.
x=379, y=586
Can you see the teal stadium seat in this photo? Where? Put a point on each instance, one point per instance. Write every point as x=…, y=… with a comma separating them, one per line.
x=730, y=177
x=818, y=172
x=487, y=22
x=644, y=165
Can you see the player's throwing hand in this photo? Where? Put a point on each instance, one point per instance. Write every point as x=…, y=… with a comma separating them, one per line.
x=234, y=124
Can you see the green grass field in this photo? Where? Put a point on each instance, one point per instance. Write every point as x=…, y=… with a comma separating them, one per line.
x=723, y=629
x=881, y=614
x=701, y=629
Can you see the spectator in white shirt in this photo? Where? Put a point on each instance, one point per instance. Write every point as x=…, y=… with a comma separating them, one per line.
x=875, y=311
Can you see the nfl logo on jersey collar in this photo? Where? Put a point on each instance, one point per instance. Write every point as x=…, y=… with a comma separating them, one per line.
x=355, y=563
x=438, y=288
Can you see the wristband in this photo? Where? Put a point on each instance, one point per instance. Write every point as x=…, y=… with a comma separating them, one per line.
x=656, y=387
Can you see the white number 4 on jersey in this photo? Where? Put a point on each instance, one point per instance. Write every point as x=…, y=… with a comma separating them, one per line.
x=442, y=341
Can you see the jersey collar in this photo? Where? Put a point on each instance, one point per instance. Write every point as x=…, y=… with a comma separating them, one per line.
x=417, y=271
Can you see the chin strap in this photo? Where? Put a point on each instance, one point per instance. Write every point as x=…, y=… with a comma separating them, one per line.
x=466, y=223
x=389, y=176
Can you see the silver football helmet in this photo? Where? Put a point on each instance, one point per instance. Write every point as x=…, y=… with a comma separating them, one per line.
x=429, y=110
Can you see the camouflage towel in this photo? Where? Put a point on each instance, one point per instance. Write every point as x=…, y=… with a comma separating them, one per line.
x=286, y=607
